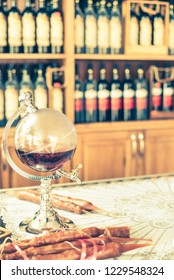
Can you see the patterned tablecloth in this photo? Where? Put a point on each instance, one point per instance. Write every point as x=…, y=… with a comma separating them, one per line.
x=146, y=205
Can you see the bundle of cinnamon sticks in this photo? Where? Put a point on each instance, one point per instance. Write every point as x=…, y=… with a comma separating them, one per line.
x=72, y=244
x=61, y=202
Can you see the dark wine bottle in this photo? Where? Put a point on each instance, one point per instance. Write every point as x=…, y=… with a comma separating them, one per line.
x=103, y=29
x=56, y=28
x=145, y=28
x=103, y=97
x=26, y=83
x=90, y=94
x=57, y=91
x=133, y=27
x=168, y=91
x=128, y=96
x=90, y=29
x=156, y=93
x=79, y=29
x=2, y=102
x=11, y=93
x=116, y=96
x=40, y=89
x=115, y=29
x=28, y=29
x=171, y=30
x=158, y=29
x=141, y=95
x=78, y=98
x=42, y=29
x=14, y=29
x=3, y=29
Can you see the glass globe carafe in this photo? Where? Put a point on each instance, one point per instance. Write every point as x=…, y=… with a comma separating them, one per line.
x=44, y=140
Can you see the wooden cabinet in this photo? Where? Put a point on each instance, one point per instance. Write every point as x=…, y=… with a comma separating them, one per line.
x=134, y=149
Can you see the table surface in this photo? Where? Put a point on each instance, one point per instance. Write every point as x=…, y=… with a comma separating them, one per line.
x=146, y=205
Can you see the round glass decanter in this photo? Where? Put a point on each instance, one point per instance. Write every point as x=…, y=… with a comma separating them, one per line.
x=44, y=140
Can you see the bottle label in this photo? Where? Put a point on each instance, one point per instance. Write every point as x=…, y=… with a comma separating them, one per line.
x=103, y=100
x=171, y=34
x=28, y=30
x=40, y=97
x=78, y=100
x=128, y=101
x=1, y=105
x=157, y=90
x=3, y=32
x=91, y=32
x=133, y=31
x=141, y=93
x=42, y=30
x=14, y=30
x=116, y=104
x=79, y=31
x=116, y=93
x=168, y=91
x=11, y=101
x=57, y=96
x=145, y=32
x=91, y=100
x=103, y=93
x=78, y=94
x=116, y=99
x=158, y=32
x=115, y=33
x=103, y=32
x=168, y=97
x=156, y=101
x=56, y=29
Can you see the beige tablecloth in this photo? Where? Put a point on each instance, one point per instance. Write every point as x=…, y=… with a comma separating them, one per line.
x=146, y=205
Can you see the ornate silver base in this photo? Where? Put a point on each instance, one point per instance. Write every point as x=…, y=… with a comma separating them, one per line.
x=42, y=223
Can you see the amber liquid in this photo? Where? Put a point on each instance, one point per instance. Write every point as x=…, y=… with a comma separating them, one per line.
x=45, y=162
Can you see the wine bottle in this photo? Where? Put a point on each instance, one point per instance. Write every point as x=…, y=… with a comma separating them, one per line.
x=3, y=29
x=40, y=89
x=78, y=98
x=42, y=29
x=171, y=30
x=90, y=94
x=103, y=29
x=158, y=29
x=103, y=97
x=2, y=103
x=134, y=27
x=56, y=28
x=57, y=92
x=168, y=91
x=128, y=96
x=26, y=83
x=141, y=95
x=145, y=28
x=115, y=29
x=79, y=29
x=116, y=96
x=156, y=93
x=14, y=29
x=11, y=93
x=28, y=28
x=90, y=29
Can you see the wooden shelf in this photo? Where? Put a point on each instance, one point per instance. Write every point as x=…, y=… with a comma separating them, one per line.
x=32, y=56
x=129, y=57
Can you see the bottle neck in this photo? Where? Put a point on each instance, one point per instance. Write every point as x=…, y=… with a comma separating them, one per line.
x=115, y=75
x=55, y=4
x=28, y=4
x=41, y=4
x=13, y=3
x=102, y=75
x=127, y=74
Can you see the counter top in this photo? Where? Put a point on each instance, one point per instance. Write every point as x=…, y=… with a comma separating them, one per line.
x=146, y=205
